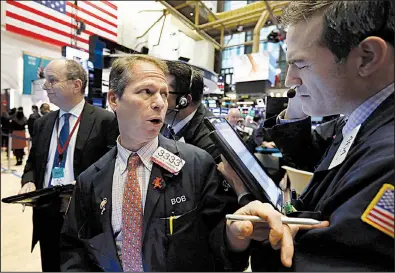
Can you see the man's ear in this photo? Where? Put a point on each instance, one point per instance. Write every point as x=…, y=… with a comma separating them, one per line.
x=372, y=52
x=189, y=98
x=112, y=99
x=78, y=86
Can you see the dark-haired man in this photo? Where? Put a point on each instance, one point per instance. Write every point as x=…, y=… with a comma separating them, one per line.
x=341, y=57
x=186, y=86
x=186, y=121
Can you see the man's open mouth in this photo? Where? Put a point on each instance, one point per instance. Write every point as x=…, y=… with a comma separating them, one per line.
x=156, y=121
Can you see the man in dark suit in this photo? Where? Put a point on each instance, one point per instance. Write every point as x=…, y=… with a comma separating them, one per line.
x=187, y=121
x=65, y=143
x=186, y=111
x=32, y=118
x=134, y=210
x=339, y=65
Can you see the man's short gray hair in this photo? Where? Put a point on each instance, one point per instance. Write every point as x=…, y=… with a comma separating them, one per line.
x=121, y=71
x=75, y=71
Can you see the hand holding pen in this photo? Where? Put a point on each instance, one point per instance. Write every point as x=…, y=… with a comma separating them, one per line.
x=260, y=222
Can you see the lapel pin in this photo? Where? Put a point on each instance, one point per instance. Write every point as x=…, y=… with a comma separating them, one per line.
x=158, y=183
x=103, y=205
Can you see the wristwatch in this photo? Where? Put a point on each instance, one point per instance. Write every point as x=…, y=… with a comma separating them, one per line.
x=244, y=198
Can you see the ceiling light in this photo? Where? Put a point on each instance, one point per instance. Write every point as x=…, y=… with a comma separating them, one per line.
x=191, y=14
x=240, y=28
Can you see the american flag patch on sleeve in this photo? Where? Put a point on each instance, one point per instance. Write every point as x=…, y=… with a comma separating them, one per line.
x=380, y=212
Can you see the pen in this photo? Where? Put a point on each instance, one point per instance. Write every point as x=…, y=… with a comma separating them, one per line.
x=284, y=219
x=24, y=205
x=171, y=224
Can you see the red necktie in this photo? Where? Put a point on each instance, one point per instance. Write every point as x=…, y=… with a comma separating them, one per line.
x=132, y=220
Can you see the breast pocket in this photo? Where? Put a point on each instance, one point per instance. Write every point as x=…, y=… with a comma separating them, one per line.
x=179, y=223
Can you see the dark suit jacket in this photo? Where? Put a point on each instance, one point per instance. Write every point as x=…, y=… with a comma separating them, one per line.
x=197, y=133
x=87, y=240
x=341, y=195
x=30, y=122
x=97, y=133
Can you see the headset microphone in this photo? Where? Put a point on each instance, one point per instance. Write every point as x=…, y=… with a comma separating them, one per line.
x=291, y=93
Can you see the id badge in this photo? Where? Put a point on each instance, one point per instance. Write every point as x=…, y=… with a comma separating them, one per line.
x=168, y=160
x=57, y=176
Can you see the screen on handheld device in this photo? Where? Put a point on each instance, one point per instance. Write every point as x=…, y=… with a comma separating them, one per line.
x=229, y=135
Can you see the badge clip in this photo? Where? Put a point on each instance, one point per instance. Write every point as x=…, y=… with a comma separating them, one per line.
x=103, y=205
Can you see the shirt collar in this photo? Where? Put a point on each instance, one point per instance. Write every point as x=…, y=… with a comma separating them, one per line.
x=359, y=115
x=182, y=123
x=75, y=111
x=144, y=153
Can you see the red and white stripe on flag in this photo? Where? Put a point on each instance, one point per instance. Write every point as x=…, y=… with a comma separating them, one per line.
x=54, y=22
x=380, y=212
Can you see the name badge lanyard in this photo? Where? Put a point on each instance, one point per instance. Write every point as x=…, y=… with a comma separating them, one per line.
x=66, y=144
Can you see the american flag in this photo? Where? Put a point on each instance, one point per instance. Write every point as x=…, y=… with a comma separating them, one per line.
x=380, y=213
x=55, y=22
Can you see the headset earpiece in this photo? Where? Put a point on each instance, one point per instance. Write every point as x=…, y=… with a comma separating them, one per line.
x=182, y=102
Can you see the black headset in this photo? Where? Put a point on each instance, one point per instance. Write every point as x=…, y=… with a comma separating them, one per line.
x=182, y=100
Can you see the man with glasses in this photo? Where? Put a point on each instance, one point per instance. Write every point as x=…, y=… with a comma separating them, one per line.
x=65, y=143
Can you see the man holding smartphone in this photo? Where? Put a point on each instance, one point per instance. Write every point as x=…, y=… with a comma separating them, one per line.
x=341, y=57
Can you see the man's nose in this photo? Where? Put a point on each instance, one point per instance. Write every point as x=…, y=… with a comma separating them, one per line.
x=292, y=79
x=158, y=102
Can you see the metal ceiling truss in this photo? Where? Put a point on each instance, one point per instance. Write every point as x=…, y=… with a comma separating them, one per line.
x=212, y=26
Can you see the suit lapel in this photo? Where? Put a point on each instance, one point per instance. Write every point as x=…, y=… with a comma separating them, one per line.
x=104, y=243
x=46, y=128
x=153, y=195
x=86, y=125
x=103, y=190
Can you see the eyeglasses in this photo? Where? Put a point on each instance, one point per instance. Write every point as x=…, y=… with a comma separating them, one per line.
x=48, y=84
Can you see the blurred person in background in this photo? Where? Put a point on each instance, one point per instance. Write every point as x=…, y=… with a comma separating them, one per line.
x=5, y=129
x=35, y=115
x=233, y=117
x=12, y=113
x=19, y=143
x=45, y=109
x=252, y=122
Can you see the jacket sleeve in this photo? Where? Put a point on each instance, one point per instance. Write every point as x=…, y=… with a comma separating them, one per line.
x=349, y=243
x=301, y=147
x=216, y=204
x=73, y=256
x=30, y=166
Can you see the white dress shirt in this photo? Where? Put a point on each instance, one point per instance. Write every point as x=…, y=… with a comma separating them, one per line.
x=119, y=179
x=68, y=167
